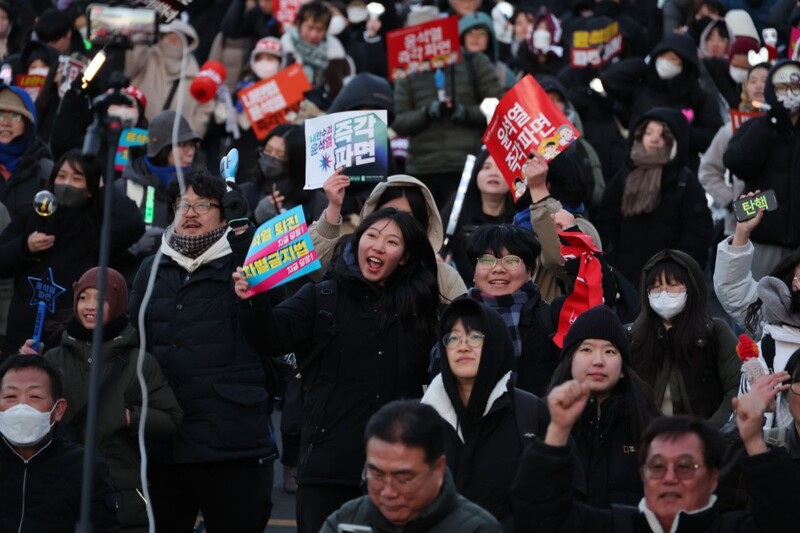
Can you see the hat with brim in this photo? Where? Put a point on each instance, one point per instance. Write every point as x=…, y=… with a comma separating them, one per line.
x=11, y=101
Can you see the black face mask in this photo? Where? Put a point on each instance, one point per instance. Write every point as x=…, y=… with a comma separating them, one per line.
x=795, y=306
x=272, y=168
x=69, y=196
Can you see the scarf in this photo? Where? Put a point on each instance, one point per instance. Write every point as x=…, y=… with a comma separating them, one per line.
x=642, y=192
x=193, y=246
x=510, y=308
x=11, y=153
x=164, y=174
x=314, y=58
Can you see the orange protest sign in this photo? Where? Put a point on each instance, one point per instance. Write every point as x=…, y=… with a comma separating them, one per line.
x=31, y=84
x=740, y=117
x=266, y=102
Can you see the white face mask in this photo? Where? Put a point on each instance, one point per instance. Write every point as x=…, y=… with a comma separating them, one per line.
x=124, y=113
x=668, y=305
x=739, y=75
x=39, y=71
x=25, y=426
x=357, y=14
x=337, y=25
x=667, y=69
x=789, y=100
x=542, y=39
x=265, y=68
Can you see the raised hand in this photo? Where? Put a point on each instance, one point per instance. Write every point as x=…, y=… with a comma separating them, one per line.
x=334, y=188
x=240, y=285
x=750, y=409
x=566, y=403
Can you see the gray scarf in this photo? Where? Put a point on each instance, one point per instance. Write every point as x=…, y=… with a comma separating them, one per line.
x=642, y=192
x=313, y=57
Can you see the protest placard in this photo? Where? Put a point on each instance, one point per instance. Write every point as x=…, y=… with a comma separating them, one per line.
x=423, y=47
x=594, y=47
x=285, y=11
x=281, y=250
x=266, y=102
x=525, y=121
x=129, y=137
x=355, y=140
x=740, y=117
x=31, y=84
x=70, y=70
x=168, y=9
x=794, y=36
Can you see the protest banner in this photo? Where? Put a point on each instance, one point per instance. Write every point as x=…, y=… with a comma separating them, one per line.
x=423, y=47
x=794, y=36
x=740, y=117
x=31, y=84
x=168, y=9
x=594, y=47
x=281, y=250
x=525, y=121
x=285, y=11
x=355, y=140
x=266, y=102
x=70, y=69
x=129, y=137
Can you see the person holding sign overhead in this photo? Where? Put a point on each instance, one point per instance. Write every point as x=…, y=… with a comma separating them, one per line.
x=361, y=338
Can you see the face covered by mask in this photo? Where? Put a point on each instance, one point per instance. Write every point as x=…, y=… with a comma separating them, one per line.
x=667, y=305
x=337, y=25
x=666, y=69
x=128, y=115
x=265, y=68
x=25, y=426
x=739, y=75
x=69, y=196
x=357, y=14
x=272, y=168
x=542, y=39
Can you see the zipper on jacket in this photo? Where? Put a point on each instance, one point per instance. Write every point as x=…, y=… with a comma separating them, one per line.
x=24, y=488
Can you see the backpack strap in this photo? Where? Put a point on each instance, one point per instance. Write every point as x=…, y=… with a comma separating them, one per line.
x=171, y=95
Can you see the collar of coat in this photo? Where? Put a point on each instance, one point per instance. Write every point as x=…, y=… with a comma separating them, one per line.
x=655, y=525
x=436, y=396
x=221, y=248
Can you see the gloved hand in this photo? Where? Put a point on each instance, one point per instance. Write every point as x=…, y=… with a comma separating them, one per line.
x=234, y=206
x=147, y=242
x=434, y=110
x=459, y=114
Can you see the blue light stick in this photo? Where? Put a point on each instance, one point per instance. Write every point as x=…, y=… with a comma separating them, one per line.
x=39, y=325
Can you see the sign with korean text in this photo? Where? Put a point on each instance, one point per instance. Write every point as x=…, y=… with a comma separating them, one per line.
x=355, y=140
x=168, y=9
x=740, y=117
x=281, y=250
x=525, y=121
x=595, y=47
x=423, y=47
x=31, y=84
x=266, y=102
x=286, y=11
x=129, y=137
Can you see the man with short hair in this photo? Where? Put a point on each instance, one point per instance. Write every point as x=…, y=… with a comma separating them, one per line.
x=40, y=474
x=680, y=461
x=409, y=486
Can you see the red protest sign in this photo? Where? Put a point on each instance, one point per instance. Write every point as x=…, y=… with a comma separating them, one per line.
x=740, y=117
x=423, y=47
x=285, y=11
x=266, y=102
x=595, y=47
x=31, y=84
x=794, y=36
x=525, y=121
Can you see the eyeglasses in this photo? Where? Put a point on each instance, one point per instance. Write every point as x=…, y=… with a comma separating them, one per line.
x=473, y=340
x=201, y=208
x=785, y=87
x=510, y=262
x=672, y=290
x=404, y=483
x=684, y=469
x=10, y=116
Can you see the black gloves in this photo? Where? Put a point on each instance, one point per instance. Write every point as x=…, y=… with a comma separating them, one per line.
x=234, y=206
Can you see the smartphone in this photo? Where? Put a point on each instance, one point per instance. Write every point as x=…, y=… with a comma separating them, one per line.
x=353, y=528
x=119, y=24
x=747, y=208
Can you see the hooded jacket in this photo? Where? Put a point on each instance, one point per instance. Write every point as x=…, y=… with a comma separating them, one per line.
x=637, y=86
x=482, y=442
x=365, y=91
x=765, y=153
x=702, y=382
x=681, y=221
x=482, y=20
x=325, y=235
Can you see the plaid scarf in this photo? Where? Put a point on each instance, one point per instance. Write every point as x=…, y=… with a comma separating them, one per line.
x=193, y=246
x=314, y=58
x=510, y=308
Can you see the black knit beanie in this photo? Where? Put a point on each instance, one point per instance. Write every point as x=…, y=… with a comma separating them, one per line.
x=598, y=322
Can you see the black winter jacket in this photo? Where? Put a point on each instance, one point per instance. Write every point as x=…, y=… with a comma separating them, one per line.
x=43, y=494
x=681, y=221
x=30, y=177
x=765, y=154
x=192, y=327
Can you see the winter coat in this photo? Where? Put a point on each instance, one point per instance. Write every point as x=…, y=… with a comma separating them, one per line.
x=702, y=382
x=765, y=153
x=681, y=221
x=543, y=501
x=117, y=440
x=715, y=178
x=609, y=453
x=43, y=494
x=333, y=78
x=440, y=146
x=448, y=512
x=76, y=249
x=325, y=235
x=637, y=86
x=354, y=359
x=192, y=330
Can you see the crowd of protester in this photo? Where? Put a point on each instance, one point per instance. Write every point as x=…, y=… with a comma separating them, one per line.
x=441, y=371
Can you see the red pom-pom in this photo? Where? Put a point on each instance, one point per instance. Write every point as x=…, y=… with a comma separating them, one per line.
x=746, y=348
x=204, y=86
